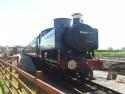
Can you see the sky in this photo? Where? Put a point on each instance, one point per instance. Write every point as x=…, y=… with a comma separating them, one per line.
x=22, y=20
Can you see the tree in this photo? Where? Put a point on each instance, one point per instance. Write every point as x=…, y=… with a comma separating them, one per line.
x=110, y=48
x=2, y=49
x=123, y=48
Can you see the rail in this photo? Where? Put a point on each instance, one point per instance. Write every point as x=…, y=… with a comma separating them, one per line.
x=6, y=71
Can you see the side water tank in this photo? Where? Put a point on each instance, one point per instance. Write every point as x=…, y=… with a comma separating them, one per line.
x=62, y=22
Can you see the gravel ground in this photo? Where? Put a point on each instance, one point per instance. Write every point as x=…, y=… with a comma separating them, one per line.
x=101, y=77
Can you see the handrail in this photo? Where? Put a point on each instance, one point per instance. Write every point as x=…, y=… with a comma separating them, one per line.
x=6, y=69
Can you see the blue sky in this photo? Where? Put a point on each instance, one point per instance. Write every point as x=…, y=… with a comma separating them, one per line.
x=22, y=20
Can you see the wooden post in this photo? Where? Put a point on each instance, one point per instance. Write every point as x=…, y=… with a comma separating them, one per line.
x=39, y=75
x=0, y=67
x=5, y=72
x=20, y=77
x=17, y=60
x=10, y=77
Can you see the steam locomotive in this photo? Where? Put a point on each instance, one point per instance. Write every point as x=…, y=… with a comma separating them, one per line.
x=67, y=48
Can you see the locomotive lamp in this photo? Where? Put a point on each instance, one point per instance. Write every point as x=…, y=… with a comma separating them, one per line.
x=72, y=64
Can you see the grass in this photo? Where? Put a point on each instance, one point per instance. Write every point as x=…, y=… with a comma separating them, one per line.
x=117, y=54
x=29, y=84
x=4, y=89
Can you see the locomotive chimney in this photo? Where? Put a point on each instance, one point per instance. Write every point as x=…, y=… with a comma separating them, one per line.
x=77, y=18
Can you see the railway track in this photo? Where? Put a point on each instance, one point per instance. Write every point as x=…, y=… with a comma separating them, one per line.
x=74, y=86
x=101, y=87
x=62, y=85
x=115, y=66
x=91, y=87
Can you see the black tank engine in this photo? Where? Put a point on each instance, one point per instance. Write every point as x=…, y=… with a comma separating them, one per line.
x=68, y=47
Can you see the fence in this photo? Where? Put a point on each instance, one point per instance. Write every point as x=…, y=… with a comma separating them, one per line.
x=7, y=69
